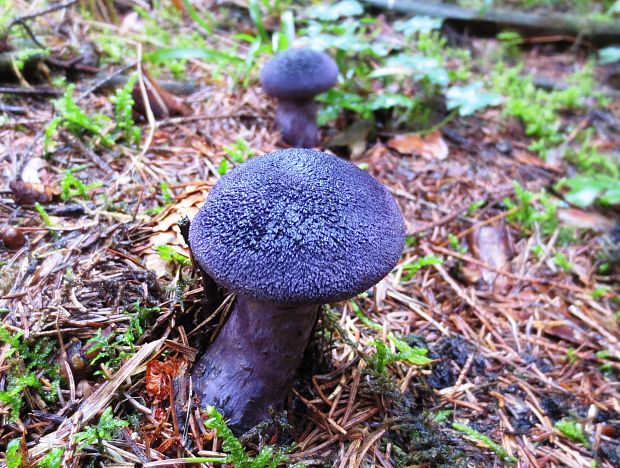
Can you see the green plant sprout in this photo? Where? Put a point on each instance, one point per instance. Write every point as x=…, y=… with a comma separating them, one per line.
x=384, y=355
x=486, y=441
x=411, y=269
x=239, y=152
x=29, y=362
x=72, y=187
x=237, y=456
x=45, y=217
x=455, y=244
x=113, y=350
x=170, y=254
x=21, y=56
x=104, y=430
x=205, y=24
x=13, y=456
x=572, y=429
x=166, y=193
x=123, y=108
x=571, y=355
x=52, y=459
x=561, y=261
x=441, y=416
x=600, y=291
x=526, y=214
x=77, y=122
x=536, y=108
x=511, y=42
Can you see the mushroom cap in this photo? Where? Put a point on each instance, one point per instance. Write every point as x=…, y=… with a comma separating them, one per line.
x=298, y=226
x=298, y=74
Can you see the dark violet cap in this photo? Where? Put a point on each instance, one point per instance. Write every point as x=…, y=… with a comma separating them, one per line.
x=298, y=226
x=298, y=74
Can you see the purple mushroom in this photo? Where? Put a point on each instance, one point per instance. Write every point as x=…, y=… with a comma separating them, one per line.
x=295, y=77
x=287, y=232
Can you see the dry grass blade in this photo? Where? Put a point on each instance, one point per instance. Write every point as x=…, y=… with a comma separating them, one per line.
x=98, y=400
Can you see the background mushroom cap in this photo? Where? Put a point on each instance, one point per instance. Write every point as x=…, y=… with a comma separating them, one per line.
x=298, y=74
x=298, y=226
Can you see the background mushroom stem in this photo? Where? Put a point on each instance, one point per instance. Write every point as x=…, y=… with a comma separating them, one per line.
x=297, y=122
x=250, y=366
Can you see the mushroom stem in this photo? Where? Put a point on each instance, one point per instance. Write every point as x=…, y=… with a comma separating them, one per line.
x=297, y=122
x=250, y=366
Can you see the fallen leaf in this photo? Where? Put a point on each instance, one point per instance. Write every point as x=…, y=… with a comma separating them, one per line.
x=490, y=244
x=161, y=267
x=47, y=266
x=562, y=329
x=430, y=146
x=165, y=230
x=159, y=375
x=25, y=193
x=533, y=160
x=581, y=219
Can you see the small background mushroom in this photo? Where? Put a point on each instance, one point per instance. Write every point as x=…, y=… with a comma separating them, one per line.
x=295, y=77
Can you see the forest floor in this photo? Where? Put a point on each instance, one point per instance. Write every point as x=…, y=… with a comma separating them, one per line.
x=502, y=152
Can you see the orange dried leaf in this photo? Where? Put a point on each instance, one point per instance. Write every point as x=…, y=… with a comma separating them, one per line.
x=430, y=146
x=159, y=375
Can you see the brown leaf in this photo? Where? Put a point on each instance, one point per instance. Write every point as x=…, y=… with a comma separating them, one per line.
x=25, y=193
x=580, y=219
x=491, y=245
x=47, y=267
x=430, y=146
x=562, y=329
x=159, y=375
x=162, y=103
x=532, y=160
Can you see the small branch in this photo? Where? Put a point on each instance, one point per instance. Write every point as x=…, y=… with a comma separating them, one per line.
x=30, y=91
x=499, y=18
x=106, y=79
x=77, y=144
x=36, y=14
x=198, y=117
x=31, y=34
x=147, y=106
